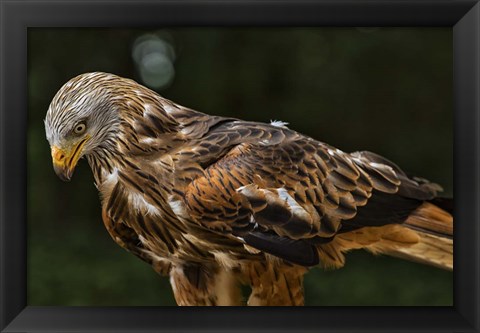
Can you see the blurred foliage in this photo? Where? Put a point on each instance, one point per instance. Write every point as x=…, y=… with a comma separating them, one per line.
x=388, y=90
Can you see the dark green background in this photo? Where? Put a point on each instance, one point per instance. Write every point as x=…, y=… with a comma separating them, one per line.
x=387, y=90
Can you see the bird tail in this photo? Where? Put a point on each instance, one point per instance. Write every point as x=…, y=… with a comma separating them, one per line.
x=433, y=224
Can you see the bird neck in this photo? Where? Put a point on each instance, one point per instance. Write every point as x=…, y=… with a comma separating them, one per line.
x=103, y=161
x=137, y=153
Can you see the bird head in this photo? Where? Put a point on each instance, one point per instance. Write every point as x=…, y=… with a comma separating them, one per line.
x=81, y=117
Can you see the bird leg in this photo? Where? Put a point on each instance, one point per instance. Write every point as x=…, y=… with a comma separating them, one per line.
x=196, y=285
x=276, y=285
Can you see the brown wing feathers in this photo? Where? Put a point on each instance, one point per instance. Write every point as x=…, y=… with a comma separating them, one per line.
x=283, y=192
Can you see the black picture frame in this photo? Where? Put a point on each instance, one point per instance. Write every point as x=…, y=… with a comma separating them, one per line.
x=17, y=16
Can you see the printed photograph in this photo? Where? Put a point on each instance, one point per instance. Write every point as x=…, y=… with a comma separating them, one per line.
x=240, y=166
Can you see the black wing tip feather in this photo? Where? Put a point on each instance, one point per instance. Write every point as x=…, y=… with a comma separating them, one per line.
x=443, y=203
x=295, y=251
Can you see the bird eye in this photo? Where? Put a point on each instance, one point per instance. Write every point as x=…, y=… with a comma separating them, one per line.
x=80, y=128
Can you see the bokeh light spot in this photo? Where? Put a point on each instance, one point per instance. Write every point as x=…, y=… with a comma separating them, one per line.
x=154, y=60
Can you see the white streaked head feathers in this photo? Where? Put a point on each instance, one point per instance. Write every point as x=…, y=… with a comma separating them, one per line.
x=84, y=98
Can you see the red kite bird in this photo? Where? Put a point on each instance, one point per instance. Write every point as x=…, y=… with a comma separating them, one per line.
x=217, y=202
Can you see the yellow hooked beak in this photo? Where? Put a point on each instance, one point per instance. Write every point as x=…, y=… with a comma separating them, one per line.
x=64, y=162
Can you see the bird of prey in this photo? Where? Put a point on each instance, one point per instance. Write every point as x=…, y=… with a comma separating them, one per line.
x=215, y=202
